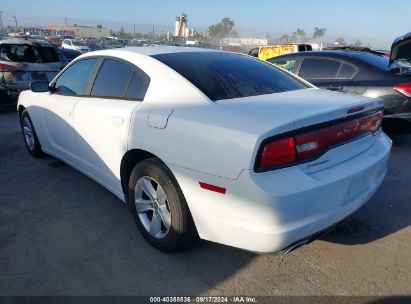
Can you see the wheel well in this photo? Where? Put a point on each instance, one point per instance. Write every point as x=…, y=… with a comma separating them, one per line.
x=129, y=161
x=21, y=109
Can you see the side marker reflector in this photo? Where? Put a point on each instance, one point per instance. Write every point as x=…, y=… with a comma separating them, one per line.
x=212, y=188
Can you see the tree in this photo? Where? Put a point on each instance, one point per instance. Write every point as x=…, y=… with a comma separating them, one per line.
x=222, y=30
x=340, y=41
x=318, y=32
x=285, y=38
x=99, y=26
x=299, y=36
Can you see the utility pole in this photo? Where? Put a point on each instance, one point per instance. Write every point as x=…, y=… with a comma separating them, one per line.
x=1, y=21
x=153, y=32
x=65, y=21
x=15, y=20
x=134, y=32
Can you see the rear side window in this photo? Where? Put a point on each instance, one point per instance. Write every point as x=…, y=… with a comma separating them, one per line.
x=226, y=75
x=74, y=80
x=138, y=85
x=29, y=53
x=287, y=63
x=316, y=68
x=346, y=72
x=112, y=80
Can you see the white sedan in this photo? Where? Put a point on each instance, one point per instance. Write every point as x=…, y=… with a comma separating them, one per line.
x=210, y=144
x=73, y=44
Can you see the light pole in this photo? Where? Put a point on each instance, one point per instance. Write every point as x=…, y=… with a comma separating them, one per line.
x=1, y=21
x=15, y=20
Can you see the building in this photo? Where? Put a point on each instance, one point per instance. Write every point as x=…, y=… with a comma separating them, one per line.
x=244, y=41
x=181, y=28
x=82, y=31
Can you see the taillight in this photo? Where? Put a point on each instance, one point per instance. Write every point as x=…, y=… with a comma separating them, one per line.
x=404, y=89
x=306, y=146
x=278, y=153
x=7, y=67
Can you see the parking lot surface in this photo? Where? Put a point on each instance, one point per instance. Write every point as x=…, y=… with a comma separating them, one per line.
x=63, y=234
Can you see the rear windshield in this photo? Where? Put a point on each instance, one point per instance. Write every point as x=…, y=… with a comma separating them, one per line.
x=225, y=75
x=29, y=53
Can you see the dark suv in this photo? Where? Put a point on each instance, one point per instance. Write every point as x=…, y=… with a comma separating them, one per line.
x=22, y=61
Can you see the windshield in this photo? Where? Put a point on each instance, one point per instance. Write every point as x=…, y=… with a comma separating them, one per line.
x=78, y=43
x=29, y=53
x=227, y=75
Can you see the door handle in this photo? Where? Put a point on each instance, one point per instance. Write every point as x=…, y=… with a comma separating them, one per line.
x=68, y=113
x=334, y=88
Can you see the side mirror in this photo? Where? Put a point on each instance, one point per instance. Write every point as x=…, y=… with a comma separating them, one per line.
x=39, y=86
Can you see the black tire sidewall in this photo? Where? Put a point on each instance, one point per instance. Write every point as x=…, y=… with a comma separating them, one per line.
x=180, y=215
x=36, y=152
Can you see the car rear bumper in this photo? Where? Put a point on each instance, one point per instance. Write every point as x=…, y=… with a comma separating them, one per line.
x=268, y=212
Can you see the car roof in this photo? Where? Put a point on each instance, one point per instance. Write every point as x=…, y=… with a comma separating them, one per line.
x=151, y=51
x=331, y=53
x=24, y=41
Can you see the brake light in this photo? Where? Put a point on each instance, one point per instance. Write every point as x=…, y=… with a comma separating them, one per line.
x=404, y=89
x=7, y=67
x=278, y=153
x=306, y=146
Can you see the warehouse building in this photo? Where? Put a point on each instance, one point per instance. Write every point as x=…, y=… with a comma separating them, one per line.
x=82, y=31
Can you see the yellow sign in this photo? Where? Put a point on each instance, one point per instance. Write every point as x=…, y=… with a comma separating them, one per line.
x=270, y=51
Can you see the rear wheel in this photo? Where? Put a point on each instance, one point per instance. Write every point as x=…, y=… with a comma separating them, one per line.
x=30, y=137
x=159, y=207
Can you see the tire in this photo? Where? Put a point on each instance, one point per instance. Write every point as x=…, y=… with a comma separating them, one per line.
x=176, y=230
x=29, y=135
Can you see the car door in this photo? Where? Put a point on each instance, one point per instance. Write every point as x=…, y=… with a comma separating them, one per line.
x=102, y=120
x=57, y=108
x=327, y=73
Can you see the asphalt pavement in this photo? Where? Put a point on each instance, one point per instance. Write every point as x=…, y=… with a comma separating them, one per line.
x=63, y=234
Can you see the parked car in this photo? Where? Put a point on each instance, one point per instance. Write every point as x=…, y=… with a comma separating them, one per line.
x=69, y=54
x=22, y=61
x=360, y=73
x=400, y=56
x=73, y=44
x=56, y=40
x=209, y=143
x=270, y=51
x=110, y=44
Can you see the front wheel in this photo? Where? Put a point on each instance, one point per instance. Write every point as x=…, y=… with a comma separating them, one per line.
x=30, y=137
x=159, y=207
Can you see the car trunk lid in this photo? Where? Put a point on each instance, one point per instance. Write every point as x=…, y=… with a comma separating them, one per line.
x=310, y=110
x=304, y=107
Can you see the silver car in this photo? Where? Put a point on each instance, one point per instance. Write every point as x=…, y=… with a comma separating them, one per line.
x=22, y=61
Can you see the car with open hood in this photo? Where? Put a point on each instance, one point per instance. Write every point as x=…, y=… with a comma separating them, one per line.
x=365, y=73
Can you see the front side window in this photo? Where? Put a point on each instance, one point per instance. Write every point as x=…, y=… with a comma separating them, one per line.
x=74, y=80
x=226, y=75
x=112, y=80
x=318, y=68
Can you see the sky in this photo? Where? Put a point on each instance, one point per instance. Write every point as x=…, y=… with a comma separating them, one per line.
x=377, y=22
